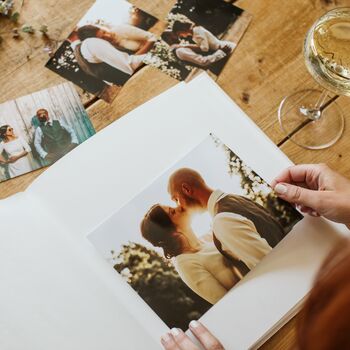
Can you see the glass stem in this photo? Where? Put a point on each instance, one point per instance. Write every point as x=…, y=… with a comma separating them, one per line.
x=321, y=100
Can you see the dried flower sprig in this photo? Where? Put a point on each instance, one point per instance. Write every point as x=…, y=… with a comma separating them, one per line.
x=6, y=10
x=6, y=7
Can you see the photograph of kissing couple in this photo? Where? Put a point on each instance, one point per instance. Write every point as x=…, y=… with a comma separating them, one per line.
x=185, y=241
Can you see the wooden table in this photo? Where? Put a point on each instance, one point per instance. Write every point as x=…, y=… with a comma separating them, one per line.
x=266, y=66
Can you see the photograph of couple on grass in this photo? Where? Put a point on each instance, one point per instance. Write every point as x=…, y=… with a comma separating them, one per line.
x=200, y=35
x=195, y=232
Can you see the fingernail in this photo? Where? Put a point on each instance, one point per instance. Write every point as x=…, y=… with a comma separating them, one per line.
x=314, y=213
x=194, y=324
x=175, y=332
x=165, y=338
x=280, y=189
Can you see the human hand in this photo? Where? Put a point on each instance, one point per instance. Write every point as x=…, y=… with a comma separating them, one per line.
x=12, y=159
x=178, y=340
x=317, y=190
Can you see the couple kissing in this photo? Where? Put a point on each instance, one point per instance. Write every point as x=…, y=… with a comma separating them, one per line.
x=241, y=234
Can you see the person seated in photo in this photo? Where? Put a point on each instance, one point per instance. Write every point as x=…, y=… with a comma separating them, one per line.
x=98, y=54
x=17, y=152
x=53, y=139
x=191, y=54
x=199, y=264
x=203, y=38
x=243, y=231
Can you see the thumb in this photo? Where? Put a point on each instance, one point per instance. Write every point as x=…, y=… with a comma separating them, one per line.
x=298, y=195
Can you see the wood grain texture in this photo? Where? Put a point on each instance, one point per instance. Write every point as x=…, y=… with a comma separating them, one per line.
x=337, y=156
x=266, y=66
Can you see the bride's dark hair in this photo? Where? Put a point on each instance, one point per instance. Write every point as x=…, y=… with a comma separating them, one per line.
x=158, y=229
x=3, y=131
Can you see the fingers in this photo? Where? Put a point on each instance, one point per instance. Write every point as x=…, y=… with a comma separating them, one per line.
x=308, y=210
x=208, y=341
x=169, y=342
x=178, y=340
x=300, y=196
x=303, y=173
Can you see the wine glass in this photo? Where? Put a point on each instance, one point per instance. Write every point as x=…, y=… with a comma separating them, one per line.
x=312, y=118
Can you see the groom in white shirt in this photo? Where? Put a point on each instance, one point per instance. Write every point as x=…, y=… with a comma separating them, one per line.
x=206, y=40
x=243, y=231
x=111, y=55
x=207, y=48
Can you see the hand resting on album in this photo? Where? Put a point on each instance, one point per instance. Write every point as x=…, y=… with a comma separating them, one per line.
x=178, y=340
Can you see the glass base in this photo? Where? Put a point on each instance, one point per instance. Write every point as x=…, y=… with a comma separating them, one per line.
x=311, y=130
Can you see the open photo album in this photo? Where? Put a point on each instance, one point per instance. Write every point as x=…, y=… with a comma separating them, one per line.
x=162, y=217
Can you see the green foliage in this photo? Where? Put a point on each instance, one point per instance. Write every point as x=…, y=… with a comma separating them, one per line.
x=159, y=285
x=26, y=28
x=14, y=17
x=256, y=189
x=7, y=11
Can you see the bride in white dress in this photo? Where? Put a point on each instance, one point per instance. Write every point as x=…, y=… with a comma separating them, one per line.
x=198, y=262
x=16, y=150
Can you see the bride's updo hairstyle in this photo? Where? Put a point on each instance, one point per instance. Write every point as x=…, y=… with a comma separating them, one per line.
x=158, y=229
x=3, y=131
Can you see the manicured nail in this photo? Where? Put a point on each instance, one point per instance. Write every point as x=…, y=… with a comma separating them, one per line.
x=175, y=332
x=166, y=338
x=280, y=189
x=194, y=324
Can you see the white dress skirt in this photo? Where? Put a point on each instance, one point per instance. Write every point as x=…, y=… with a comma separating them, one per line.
x=12, y=149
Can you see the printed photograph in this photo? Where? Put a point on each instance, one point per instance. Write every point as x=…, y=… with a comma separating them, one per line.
x=200, y=35
x=38, y=129
x=195, y=232
x=107, y=47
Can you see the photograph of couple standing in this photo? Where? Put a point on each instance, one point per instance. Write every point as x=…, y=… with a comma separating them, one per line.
x=107, y=47
x=38, y=129
x=195, y=232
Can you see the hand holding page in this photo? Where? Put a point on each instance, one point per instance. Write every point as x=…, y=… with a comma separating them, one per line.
x=80, y=299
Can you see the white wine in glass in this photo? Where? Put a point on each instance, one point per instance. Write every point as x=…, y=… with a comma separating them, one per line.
x=312, y=118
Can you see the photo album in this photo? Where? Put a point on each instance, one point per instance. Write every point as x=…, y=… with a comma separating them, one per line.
x=115, y=40
x=144, y=228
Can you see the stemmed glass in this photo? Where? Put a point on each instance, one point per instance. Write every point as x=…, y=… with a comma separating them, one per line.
x=312, y=118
